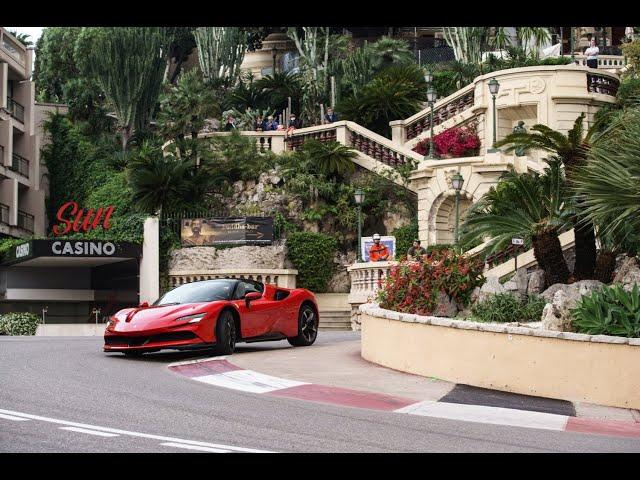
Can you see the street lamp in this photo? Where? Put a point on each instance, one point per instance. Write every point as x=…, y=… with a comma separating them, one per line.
x=494, y=88
x=457, y=181
x=431, y=98
x=359, y=197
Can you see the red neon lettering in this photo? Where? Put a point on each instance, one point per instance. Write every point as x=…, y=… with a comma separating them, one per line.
x=59, y=216
x=84, y=221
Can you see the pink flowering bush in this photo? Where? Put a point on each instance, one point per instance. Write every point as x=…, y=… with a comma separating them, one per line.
x=453, y=143
x=414, y=287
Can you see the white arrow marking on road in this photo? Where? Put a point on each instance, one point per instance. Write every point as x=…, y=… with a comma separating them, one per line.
x=90, y=432
x=132, y=434
x=193, y=447
x=15, y=419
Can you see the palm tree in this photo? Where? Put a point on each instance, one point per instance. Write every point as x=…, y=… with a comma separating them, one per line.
x=531, y=206
x=23, y=38
x=572, y=150
x=330, y=158
x=609, y=182
x=277, y=89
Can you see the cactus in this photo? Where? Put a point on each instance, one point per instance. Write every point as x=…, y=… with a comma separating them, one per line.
x=221, y=51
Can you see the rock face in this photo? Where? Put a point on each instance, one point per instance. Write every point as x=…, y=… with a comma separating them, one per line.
x=536, y=282
x=446, y=307
x=557, y=312
x=491, y=287
x=341, y=280
x=628, y=274
x=211, y=258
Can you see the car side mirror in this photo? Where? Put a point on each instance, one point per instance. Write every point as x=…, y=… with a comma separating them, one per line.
x=249, y=297
x=144, y=304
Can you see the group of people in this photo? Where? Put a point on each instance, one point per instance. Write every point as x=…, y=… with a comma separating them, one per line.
x=271, y=124
x=379, y=252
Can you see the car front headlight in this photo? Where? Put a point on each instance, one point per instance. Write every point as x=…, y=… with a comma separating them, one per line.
x=195, y=318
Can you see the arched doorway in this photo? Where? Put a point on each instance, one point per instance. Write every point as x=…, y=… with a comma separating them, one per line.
x=444, y=220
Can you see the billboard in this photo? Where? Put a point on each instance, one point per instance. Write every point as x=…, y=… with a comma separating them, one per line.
x=387, y=241
x=226, y=231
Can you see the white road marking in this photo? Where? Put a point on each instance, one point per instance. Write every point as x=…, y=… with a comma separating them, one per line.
x=132, y=434
x=483, y=414
x=90, y=432
x=189, y=362
x=193, y=447
x=248, y=381
x=15, y=419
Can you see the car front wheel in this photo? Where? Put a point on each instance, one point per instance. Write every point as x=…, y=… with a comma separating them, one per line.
x=307, y=327
x=225, y=334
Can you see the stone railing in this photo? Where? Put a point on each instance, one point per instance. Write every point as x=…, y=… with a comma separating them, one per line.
x=273, y=141
x=607, y=62
x=602, y=84
x=326, y=133
x=366, y=279
x=443, y=110
x=13, y=48
x=285, y=278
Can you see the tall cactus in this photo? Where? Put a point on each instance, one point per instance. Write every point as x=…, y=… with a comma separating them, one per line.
x=221, y=51
x=128, y=64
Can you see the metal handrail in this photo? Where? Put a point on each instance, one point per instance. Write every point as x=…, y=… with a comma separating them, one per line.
x=26, y=221
x=16, y=110
x=20, y=165
x=4, y=213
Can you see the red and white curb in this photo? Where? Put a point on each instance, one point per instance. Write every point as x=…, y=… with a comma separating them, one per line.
x=219, y=372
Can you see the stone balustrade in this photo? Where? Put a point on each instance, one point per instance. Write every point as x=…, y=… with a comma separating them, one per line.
x=285, y=278
x=606, y=62
x=366, y=280
x=273, y=141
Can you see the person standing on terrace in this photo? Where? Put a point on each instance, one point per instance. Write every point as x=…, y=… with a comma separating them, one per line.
x=331, y=116
x=231, y=124
x=293, y=123
x=592, y=54
x=271, y=124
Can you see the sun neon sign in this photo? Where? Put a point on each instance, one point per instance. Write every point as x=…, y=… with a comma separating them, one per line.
x=76, y=219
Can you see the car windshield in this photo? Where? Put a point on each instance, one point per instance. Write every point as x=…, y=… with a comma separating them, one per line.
x=198, y=292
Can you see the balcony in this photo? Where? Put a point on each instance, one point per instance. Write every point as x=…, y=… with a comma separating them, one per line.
x=4, y=213
x=13, y=48
x=26, y=221
x=20, y=165
x=15, y=109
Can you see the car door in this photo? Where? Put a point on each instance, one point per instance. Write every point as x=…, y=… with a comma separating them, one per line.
x=256, y=318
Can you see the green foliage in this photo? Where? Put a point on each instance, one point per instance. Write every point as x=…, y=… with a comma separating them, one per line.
x=609, y=180
x=631, y=50
x=405, y=237
x=395, y=93
x=415, y=287
x=7, y=244
x=221, y=51
x=609, y=311
x=330, y=158
x=55, y=63
x=312, y=255
x=277, y=88
x=505, y=307
x=18, y=323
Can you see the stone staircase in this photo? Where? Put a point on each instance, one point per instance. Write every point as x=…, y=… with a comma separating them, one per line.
x=335, y=311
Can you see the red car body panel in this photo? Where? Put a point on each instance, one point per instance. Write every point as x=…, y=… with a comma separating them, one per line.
x=155, y=328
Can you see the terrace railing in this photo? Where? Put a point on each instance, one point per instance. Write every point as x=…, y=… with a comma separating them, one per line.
x=26, y=221
x=15, y=109
x=602, y=84
x=4, y=213
x=20, y=165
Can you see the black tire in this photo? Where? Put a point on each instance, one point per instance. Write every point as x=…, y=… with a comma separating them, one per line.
x=226, y=334
x=307, y=327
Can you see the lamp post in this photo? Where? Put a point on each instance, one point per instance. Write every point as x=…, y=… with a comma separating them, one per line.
x=457, y=181
x=494, y=88
x=431, y=98
x=359, y=197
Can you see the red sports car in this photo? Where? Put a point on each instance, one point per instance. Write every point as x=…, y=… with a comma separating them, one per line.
x=215, y=313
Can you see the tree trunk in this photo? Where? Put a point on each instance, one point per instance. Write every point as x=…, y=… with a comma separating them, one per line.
x=605, y=265
x=548, y=253
x=126, y=135
x=585, y=251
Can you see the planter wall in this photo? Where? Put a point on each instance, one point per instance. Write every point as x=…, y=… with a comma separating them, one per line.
x=588, y=368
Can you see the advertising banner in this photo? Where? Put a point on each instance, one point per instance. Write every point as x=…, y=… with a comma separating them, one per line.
x=227, y=231
x=368, y=244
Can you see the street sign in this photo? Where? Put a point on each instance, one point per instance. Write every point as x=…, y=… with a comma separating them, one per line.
x=517, y=241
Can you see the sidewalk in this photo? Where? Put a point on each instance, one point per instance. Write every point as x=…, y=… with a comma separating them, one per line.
x=339, y=364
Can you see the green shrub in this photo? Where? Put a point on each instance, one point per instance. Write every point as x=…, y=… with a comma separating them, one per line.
x=505, y=307
x=312, y=255
x=18, y=323
x=609, y=311
x=405, y=237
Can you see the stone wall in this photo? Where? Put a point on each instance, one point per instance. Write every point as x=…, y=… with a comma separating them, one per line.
x=211, y=258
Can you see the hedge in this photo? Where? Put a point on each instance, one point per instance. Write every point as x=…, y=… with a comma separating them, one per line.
x=19, y=323
x=312, y=255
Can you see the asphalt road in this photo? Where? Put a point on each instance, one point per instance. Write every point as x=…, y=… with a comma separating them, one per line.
x=82, y=400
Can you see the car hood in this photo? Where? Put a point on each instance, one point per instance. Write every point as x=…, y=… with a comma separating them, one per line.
x=155, y=317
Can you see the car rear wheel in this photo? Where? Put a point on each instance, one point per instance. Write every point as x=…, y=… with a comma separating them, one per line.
x=225, y=334
x=307, y=327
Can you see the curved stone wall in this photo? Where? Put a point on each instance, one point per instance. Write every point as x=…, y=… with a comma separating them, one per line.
x=597, y=369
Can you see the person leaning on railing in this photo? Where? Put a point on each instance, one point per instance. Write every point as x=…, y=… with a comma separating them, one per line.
x=592, y=54
x=415, y=251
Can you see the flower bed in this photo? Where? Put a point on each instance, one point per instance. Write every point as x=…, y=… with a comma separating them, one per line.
x=454, y=142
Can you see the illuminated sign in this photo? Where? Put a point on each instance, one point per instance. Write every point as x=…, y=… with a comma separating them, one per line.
x=76, y=219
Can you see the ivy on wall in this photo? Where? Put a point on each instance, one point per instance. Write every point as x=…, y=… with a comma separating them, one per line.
x=312, y=255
